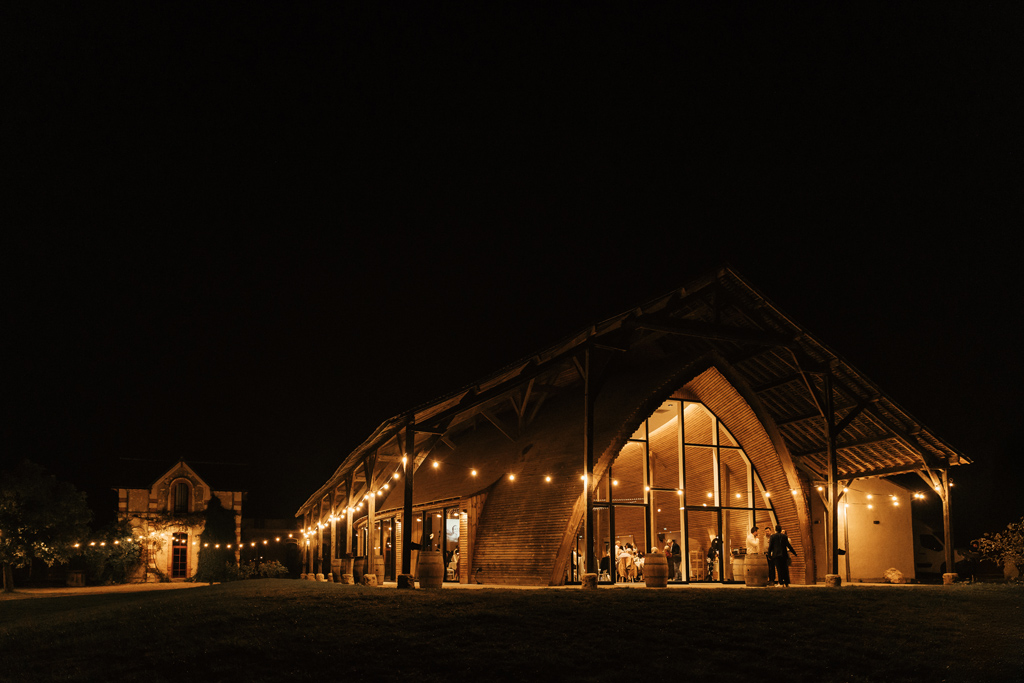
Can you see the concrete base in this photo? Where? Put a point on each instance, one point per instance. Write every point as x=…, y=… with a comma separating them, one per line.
x=320, y=578
x=311, y=577
x=348, y=579
x=330, y=577
x=589, y=582
x=833, y=580
x=302, y=576
x=369, y=579
x=950, y=579
x=406, y=581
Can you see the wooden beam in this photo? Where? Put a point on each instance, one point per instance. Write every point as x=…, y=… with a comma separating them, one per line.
x=702, y=330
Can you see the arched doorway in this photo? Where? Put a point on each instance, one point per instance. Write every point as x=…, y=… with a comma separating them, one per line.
x=681, y=478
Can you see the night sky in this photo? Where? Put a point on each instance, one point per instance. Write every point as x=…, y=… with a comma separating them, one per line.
x=253, y=236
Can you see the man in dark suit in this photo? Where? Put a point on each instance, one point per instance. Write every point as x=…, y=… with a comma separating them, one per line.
x=778, y=549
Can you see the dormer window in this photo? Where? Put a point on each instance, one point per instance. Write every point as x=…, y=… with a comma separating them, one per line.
x=180, y=497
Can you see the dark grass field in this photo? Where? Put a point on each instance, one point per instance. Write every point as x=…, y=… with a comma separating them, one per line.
x=298, y=630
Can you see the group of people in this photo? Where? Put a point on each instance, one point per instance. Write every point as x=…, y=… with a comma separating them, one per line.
x=776, y=548
x=630, y=563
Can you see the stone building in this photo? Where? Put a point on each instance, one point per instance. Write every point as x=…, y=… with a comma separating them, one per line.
x=167, y=514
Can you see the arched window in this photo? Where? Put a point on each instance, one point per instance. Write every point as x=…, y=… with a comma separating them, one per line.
x=179, y=500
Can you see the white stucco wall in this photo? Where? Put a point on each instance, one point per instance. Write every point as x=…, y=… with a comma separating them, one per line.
x=880, y=536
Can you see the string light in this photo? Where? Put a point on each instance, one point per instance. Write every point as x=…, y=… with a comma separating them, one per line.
x=547, y=478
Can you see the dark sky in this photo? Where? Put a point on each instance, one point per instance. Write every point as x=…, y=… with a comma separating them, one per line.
x=252, y=237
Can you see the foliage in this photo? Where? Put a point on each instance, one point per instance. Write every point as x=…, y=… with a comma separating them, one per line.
x=215, y=562
x=250, y=570
x=1005, y=548
x=115, y=554
x=40, y=517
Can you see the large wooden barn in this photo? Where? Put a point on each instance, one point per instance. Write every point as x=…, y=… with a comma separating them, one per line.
x=690, y=418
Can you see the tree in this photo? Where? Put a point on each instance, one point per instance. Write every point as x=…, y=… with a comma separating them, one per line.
x=40, y=518
x=1005, y=548
x=114, y=553
x=218, y=533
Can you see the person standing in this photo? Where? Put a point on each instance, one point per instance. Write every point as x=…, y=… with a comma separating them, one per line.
x=677, y=561
x=779, y=547
x=765, y=539
x=753, y=544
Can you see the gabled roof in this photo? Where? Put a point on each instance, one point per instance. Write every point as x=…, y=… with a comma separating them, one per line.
x=142, y=473
x=784, y=364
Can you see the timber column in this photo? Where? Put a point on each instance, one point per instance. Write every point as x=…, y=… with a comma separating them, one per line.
x=950, y=576
x=408, y=469
x=590, y=578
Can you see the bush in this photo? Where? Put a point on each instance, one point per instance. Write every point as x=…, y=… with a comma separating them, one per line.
x=113, y=557
x=1006, y=548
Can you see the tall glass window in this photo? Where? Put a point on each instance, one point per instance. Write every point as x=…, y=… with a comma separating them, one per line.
x=682, y=484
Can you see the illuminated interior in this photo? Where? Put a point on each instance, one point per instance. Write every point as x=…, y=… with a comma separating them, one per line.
x=691, y=485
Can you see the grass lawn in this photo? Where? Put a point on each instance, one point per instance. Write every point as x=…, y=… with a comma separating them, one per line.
x=275, y=630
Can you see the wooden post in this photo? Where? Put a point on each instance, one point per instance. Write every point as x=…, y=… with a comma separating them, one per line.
x=588, y=460
x=408, y=471
x=832, y=563
x=371, y=507
x=950, y=565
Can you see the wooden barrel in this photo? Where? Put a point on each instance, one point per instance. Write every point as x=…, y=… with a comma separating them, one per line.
x=756, y=570
x=430, y=569
x=655, y=570
x=358, y=569
x=378, y=568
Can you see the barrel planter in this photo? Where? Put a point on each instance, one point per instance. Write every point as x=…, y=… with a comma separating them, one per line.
x=358, y=568
x=655, y=570
x=378, y=568
x=756, y=570
x=431, y=569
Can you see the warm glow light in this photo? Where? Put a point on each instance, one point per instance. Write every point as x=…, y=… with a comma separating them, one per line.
x=870, y=496
x=794, y=492
x=396, y=476
x=437, y=464
x=511, y=477
x=385, y=487
x=767, y=494
x=739, y=495
x=548, y=478
x=821, y=488
x=615, y=482
x=679, y=492
x=870, y=506
x=472, y=472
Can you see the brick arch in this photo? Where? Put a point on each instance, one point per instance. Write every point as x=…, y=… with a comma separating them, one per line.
x=753, y=428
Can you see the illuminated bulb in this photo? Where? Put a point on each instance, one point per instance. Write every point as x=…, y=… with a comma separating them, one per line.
x=647, y=488
x=767, y=494
x=253, y=544
x=709, y=494
x=117, y=542
x=405, y=459
x=386, y=487
x=548, y=478
x=896, y=503
x=738, y=495
x=265, y=541
x=92, y=542
x=794, y=492
x=704, y=504
x=821, y=488
x=679, y=492
x=437, y=464
x=845, y=490
x=870, y=496
x=395, y=476
x=206, y=545
x=615, y=482
x=472, y=472
x=76, y=545
x=870, y=506
x=511, y=477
